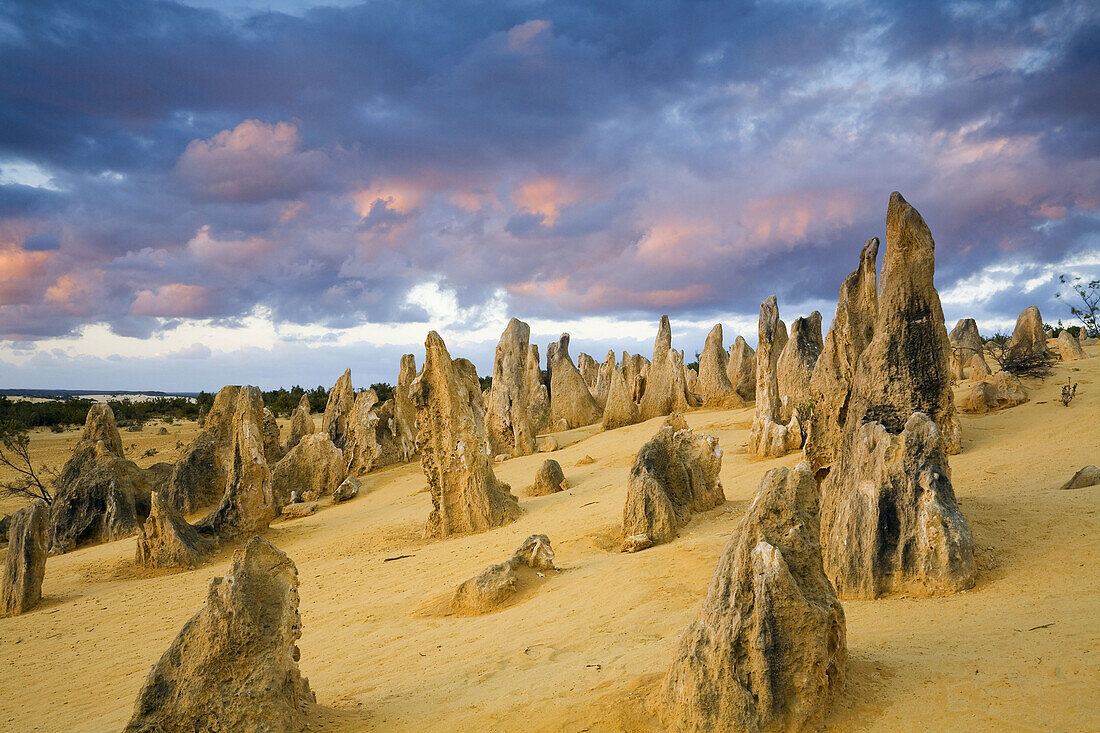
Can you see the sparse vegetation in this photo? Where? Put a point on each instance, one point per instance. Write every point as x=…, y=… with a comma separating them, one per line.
x=1089, y=310
x=384, y=390
x=34, y=482
x=1019, y=362
x=1068, y=393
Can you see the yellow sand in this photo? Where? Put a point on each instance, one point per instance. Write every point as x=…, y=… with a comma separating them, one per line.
x=583, y=649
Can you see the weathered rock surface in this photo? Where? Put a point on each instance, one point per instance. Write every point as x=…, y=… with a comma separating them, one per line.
x=510, y=426
x=247, y=505
x=665, y=384
x=168, y=541
x=234, y=665
x=1069, y=348
x=768, y=648
x=299, y=509
x=620, y=409
x=498, y=584
x=770, y=435
x=25, y=564
x=549, y=479
x=341, y=400
x=977, y=368
x=404, y=411
x=100, y=495
x=603, y=380
x=315, y=464
x=301, y=424
x=831, y=384
x=741, y=369
x=273, y=446
x=889, y=519
x=570, y=398
x=966, y=340
x=714, y=383
x=674, y=475
x=1087, y=476
x=202, y=474
x=348, y=489
x=795, y=367
x=1028, y=338
x=466, y=495
x=589, y=369
x=1000, y=391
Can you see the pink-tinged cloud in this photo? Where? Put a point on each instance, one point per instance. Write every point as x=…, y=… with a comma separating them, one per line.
x=679, y=243
x=547, y=196
x=400, y=196
x=254, y=161
x=471, y=201
x=227, y=252
x=175, y=300
x=600, y=296
x=77, y=293
x=793, y=218
x=529, y=38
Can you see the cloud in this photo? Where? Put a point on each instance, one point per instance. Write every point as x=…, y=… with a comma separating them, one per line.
x=173, y=300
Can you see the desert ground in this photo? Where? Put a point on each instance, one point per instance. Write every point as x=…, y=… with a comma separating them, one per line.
x=583, y=649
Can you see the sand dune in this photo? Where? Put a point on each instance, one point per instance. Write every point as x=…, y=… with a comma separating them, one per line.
x=583, y=651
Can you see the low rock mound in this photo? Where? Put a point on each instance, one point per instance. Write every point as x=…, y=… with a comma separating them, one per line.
x=497, y=585
x=768, y=647
x=674, y=475
x=234, y=665
x=1000, y=391
x=315, y=467
x=25, y=565
x=1087, y=476
x=548, y=480
x=1069, y=348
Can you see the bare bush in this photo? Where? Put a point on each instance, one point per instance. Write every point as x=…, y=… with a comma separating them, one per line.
x=30, y=481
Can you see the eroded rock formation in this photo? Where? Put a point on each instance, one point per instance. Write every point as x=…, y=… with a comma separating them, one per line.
x=890, y=522
x=768, y=648
x=589, y=369
x=770, y=435
x=741, y=369
x=25, y=564
x=665, y=384
x=315, y=467
x=549, y=479
x=620, y=409
x=603, y=380
x=512, y=429
x=570, y=398
x=1028, y=338
x=1069, y=348
x=795, y=367
x=673, y=476
x=466, y=495
x=831, y=383
x=714, y=383
x=234, y=665
x=273, y=446
x=1000, y=391
x=1087, y=476
x=301, y=424
x=101, y=495
x=168, y=541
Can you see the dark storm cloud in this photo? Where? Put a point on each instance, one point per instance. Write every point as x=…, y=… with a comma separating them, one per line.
x=691, y=158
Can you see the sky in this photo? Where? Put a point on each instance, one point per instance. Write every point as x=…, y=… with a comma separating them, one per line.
x=195, y=194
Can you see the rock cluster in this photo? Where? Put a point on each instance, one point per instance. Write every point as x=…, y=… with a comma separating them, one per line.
x=510, y=416
x=589, y=369
x=234, y=665
x=466, y=495
x=620, y=409
x=370, y=434
x=603, y=379
x=665, y=384
x=889, y=519
x=674, y=475
x=967, y=350
x=101, y=495
x=549, y=479
x=25, y=564
x=768, y=647
x=1069, y=347
x=770, y=435
x=570, y=399
x=714, y=386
